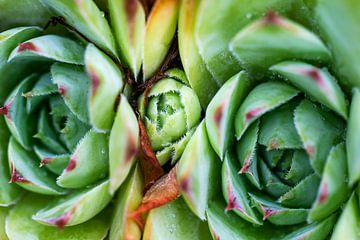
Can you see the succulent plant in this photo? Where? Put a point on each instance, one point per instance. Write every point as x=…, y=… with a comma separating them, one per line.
x=104, y=136
x=171, y=112
x=280, y=125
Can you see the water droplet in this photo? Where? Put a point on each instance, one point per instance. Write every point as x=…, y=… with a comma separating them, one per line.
x=102, y=151
x=249, y=15
x=172, y=228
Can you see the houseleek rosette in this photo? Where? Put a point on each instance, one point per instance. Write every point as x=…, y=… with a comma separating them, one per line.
x=280, y=123
x=68, y=135
x=171, y=112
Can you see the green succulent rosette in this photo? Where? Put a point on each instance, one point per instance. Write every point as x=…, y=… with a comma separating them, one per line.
x=68, y=135
x=171, y=112
x=284, y=124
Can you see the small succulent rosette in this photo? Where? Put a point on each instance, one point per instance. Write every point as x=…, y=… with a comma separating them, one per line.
x=279, y=138
x=171, y=112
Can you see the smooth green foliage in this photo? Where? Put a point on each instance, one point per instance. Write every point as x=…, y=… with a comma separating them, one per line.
x=128, y=199
x=75, y=208
x=123, y=144
x=197, y=172
x=128, y=21
x=96, y=228
x=174, y=221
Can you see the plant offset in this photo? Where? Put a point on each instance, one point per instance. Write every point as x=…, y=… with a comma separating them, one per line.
x=179, y=119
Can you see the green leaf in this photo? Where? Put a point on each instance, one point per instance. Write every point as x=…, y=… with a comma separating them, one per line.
x=16, y=70
x=159, y=34
x=221, y=111
x=200, y=79
x=348, y=225
x=75, y=208
x=263, y=98
x=246, y=153
x=333, y=190
x=222, y=226
x=123, y=144
x=197, y=172
x=19, y=224
x=235, y=189
x=353, y=139
x=3, y=214
x=54, y=162
x=19, y=122
x=73, y=85
x=271, y=183
x=318, y=83
x=273, y=39
x=277, y=214
x=319, y=130
x=128, y=199
x=174, y=221
x=25, y=171
x=51, y=47
x=41, y=91
x=106, y=83
x=47, y=135
x=88, y=163
x=73, y=131
x=278, y=129
x=86, y=18
x=128, y=21
x=10, y=193
x=214, y=45
x=338, y=24
x=314, y=231
x=303, y=194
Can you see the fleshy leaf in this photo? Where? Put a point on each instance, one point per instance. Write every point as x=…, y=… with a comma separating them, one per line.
x=338, y=24
x=314, y=231
x=197, y=172
x=199, y=77
x=263, y=98
x=273, y=39
x=73, y=85
x=88, y=163
x=235, y=190
x=75, y=208
x=246, y=153
x=128, y=20
x=348, y=226
x=159, y=34
x=164, y=190
x=19, y=122
x=278, y=129
x=128, y=199
x=51, y=47
x=106, y=81
x=214, y=45
x=333, y=190
x=278, y=214
x=318, y=137
x=222, y=109
x=25, y=171
x=96, y=228
x=10, y=193
x=86, y=18
x=54, y=162
x=353, y=138
x=123, y=145
x=222, y=226
x=318, y=83
x=16, y=70
x=174, y=221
